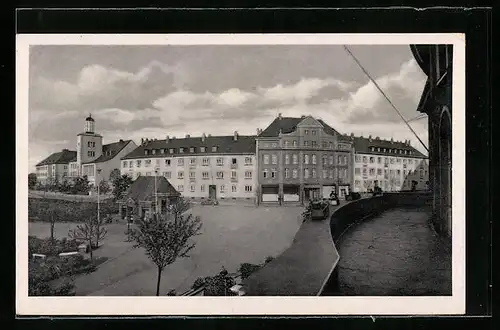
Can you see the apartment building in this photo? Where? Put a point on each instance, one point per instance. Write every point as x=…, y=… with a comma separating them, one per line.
x=394, y=165
x=91, y=158
x=217, y=167
x=299, y=159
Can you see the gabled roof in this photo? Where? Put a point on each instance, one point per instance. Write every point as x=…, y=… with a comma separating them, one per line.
x=143, y=188
x=225, y=145
x=109, y=151
x=63, y=157
x=362, y=145
x=289, y=124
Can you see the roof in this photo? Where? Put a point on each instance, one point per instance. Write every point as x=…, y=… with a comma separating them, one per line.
x=288, y=125
x=109, y=151
x=63, y=157
x=225, y=145
x=362, y=145
x=143, y=188
x=89, y=118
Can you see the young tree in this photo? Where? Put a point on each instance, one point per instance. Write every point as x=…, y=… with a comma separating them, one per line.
x=167, y=237
x=32, y=181
x=115, y=174
x=91, y=232
x=104, y=187
x=120, y=185
x=49, y=212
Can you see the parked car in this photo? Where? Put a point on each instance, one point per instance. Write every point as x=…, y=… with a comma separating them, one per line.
x=319, y=210
x=353, y=196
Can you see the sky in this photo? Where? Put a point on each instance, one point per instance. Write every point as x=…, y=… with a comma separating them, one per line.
x=136, y=92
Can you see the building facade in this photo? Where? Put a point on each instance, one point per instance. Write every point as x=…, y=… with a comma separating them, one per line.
x=392, y=165
x=216, y=167
x=299, y=159
x=90, y=159
x=436, y=101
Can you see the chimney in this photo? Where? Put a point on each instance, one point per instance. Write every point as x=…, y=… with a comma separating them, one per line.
x=209, y=135
x=303, y=116
x=142, y=141
x=121, y=140
x=167, y=139
x=370, y=138
x=377, y=138
x=281, y=131
x=173, y=137
x=409, y=142
x=203, y=137
x=352, y=134
x=392, y=140
x=279, y=115
x=188, y=136
x=235, y=136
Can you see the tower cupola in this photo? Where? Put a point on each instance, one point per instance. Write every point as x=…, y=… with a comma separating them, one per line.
x=89, y=124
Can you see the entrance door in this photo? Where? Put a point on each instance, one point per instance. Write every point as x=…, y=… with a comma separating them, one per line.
x=212, y=191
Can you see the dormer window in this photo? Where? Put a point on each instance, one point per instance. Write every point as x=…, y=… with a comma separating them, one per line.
x=181, y=150
x=146, y=152
x=202, y=149
x=214, y=149
x=153, y=151
x=191, y=149
x=171, y=150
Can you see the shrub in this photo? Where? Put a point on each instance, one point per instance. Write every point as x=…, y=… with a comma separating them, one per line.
x=172, y=293
x=246, y=269
x=269, y=259
x=198, y=283
x=219, y=284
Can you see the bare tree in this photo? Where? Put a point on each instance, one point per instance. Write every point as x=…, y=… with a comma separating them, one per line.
x=166, y=237
x=90, y=232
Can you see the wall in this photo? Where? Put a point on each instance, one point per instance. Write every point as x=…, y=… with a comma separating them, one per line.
x=183, y=185
x=115, y=163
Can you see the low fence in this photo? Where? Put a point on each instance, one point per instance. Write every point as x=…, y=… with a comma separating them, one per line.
x=350, y=214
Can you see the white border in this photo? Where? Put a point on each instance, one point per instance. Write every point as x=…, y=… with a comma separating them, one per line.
x=241, y=305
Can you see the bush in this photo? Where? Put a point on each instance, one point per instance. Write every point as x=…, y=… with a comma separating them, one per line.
x=246, y=269
x=219, y=284
x=198, y=283
x=172, y=293
x=269, y=259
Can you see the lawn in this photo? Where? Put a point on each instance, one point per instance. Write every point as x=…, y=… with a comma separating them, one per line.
x=230, y=236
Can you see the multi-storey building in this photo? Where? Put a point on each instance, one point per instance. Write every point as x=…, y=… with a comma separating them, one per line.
x=301, y=159
x=394, y=165
x=217, y=167
x=92, y=158
x=55, y=167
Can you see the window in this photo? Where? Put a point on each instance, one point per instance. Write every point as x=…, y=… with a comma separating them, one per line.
x=167, y=175
x=358, y=159
x=222, y=188
x=294, y=173
x=138, y=162
x=273, y=173
x=147, y=163
x=314, y=158
x=410, y=161
x=265, y=173
x=233, y=174
x=191, y=149
x=180, y=175
x=331, y=145
x=248, y=160
x=306, y=159
x=379, y=160
x=220, y=161
x=125, y=164
x=274, y=145
x=266, y=159
x=404, y=172
x=398, y=160
x=325, y=160
x=206, y=161
x=180, y=188
x=313, y=132
x=192, y=161
x=203, y=149
x=204, y=175
x=314, y=144
x=404, y=161
x=331, y=174
x=344, y=159
x=192, y=188
x=248, y=174
x=171, y=151
x=287, y=173
x=233, y=188
x=285, y=144
x=392, y=160
x=192, y=175
x=162, y=151
x=234, y=161
x=214, y=148
x=153, y=151
x=248, y=188
x=274, y=159
x=167, y=162
x=220, y=175
x=295, y=159
x=306, y=132
x=287, y=159
x=371, y=171
x=157, y=162
x=306, y=143
x=365, y=159
x=325, y=174
x=180, y=161
x=357, y=171
x=202, y=188
x=379, y=171
x=181, y=150
x=294, y=143
x=306, y=173
x=372, y=160
x=364, y=171
x=313, y=172
x=324, y=144
x=331, y=159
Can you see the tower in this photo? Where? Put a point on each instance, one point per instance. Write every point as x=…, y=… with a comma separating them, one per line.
x=89, y=144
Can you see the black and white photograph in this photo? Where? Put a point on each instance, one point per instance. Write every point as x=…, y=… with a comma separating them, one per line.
x=275, y=174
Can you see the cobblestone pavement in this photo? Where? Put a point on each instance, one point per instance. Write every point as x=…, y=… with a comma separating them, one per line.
x=395, y=254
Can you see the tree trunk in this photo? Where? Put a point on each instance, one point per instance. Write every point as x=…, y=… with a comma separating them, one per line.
x=52, y=224
x=158, y=281
x=91, y=249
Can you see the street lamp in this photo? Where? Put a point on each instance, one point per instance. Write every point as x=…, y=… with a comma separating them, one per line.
x=98, y=195
x=156, y=193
